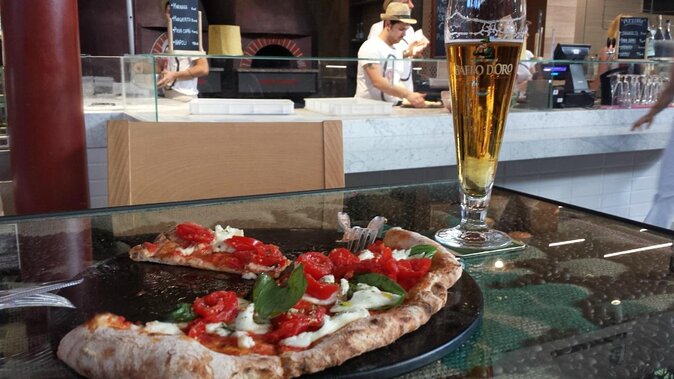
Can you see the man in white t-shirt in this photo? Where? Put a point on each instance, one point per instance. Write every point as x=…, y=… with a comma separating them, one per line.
x=377, y=76
x=410, y=45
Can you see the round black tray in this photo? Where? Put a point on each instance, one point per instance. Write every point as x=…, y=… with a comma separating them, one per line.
x=146, y=291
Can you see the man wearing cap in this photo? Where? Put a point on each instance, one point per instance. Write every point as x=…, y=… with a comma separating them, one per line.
x=410, y=45
x=378, y=57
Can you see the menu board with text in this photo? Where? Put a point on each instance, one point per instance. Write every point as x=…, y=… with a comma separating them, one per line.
x=185, y=19
x=632, y=38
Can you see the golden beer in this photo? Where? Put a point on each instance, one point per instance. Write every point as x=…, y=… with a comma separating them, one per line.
x=481, y=76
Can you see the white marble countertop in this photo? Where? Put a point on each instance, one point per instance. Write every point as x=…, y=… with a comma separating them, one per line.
x=417, y=138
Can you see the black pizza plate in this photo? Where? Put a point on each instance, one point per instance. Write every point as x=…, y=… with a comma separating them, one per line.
x=147, y=291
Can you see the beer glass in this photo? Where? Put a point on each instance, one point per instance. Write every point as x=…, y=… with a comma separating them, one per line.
x=483, y=40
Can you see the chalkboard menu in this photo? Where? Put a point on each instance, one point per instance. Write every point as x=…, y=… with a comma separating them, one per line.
x=185, y=20
x=633, y=36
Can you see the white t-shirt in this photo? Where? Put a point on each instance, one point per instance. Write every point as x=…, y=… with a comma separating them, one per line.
x=186, y=86
x=376, y=51
x=406, y=68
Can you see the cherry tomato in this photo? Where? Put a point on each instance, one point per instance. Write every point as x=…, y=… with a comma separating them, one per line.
x=196, y=233
x=268, y=255
x=410, y=271
x=344, y=261
x=151, y=247
x=320, y=290
x=341, y=256
x=315, y=264
x=218, y=306
x=263, y=254
x=242, y=243
x=304, y=317
x=196, y=328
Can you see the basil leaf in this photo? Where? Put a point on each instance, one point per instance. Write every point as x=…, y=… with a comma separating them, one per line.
x=272, y=300
x=383, y=283
x=423, y=251
x=184, y=313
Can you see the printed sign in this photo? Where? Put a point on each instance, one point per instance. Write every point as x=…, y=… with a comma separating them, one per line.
x=185, y=19
x=632, y=39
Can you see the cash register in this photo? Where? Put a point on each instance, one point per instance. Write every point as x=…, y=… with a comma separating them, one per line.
x=575, y=92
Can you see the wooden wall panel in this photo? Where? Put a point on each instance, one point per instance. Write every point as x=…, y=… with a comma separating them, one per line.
x=171, y=161
x=560, y=25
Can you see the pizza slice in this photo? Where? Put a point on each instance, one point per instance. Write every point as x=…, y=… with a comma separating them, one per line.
x=330, y=308
x=221, y=249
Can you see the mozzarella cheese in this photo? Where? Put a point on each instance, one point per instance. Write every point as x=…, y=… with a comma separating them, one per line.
x=327, y=279
x=401, y=254
x=366, y=254
x=343, y=287
x=218, y=328
x=244, y=321
x=186, y=251
x=249, y=275
x=244, y=340
x=330, y=325
x=331, y=300
x=366, y=297
x=158, y=327
x=222, y=234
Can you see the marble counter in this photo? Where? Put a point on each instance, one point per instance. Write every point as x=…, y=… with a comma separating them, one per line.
x=417, y=139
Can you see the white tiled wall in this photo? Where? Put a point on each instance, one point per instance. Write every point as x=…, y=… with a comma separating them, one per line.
x=622, y=184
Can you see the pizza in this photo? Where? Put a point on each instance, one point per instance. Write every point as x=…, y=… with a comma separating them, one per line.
x=221, y=249
x=323, y=309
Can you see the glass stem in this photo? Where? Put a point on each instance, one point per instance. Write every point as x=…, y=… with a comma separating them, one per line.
x=474, y=212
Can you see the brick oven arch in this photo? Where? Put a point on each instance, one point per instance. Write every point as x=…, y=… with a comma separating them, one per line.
x=257, y=44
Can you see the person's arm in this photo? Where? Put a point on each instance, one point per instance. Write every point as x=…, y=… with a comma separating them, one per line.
x=373, y=72
x=665, y=98
x=197, y=69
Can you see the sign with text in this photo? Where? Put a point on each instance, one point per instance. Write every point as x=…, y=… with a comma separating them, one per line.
x=632, y=38
x=185, y=20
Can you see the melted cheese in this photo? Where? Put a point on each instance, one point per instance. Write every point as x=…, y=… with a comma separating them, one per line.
x=366, y=297
x=330, y=325
x=221, y=235
x=244, y=340
x=343, y=287
x=331, y=300
x=366, y=254
x=218, y=328
x=244, y=322
x=186, y=251
x=158, y=327
x=327, y=279
x=401, y=254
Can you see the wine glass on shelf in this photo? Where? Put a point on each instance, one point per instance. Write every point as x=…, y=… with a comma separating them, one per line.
x=483, y=41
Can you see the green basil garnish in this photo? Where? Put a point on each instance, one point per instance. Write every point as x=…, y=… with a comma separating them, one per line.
x=272, y=300
x=423, y=251
x=184, y=313
x=383, y=283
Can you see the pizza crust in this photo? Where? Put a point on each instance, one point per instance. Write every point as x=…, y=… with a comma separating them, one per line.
x=98, y=350
x=424, y=300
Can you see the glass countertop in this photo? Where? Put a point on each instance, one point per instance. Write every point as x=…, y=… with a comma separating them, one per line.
x=590, y=295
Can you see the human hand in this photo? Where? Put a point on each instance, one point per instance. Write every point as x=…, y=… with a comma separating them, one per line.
x=166, y=77
x=646, y=119
x=416, y=99
x=416, y=48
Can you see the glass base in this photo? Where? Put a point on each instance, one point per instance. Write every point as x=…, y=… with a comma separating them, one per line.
x=472, y=239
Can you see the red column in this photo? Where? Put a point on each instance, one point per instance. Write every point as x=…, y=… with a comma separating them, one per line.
x=43, y=85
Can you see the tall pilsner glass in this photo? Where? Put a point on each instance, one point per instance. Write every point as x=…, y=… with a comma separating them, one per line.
x=483, y=40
